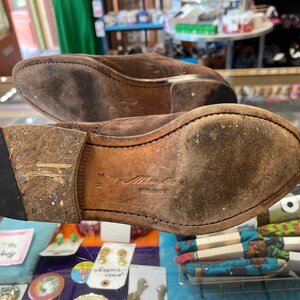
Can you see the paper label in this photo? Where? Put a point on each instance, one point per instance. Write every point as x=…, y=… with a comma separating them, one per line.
x=110, y=268
x=99, y=27
x=97, y=8
x=66, y=248
x=214, y=241
x=147, y=282
x=14, y=245
x=220, y=253
x=115, y=232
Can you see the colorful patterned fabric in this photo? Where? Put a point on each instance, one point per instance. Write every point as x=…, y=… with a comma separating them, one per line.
x=240, y=267
x=186, y=257
x=266, y=247
x=186, y=246
x=263, y=218
x=193, y=245
x=290, y=228
x=261, y=247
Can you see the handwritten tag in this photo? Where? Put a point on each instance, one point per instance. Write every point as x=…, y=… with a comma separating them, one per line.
x=66, y=248
x=111, y=266
x=14, y=245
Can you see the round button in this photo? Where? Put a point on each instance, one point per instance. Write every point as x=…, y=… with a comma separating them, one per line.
x=80, y=273
x=46, y=287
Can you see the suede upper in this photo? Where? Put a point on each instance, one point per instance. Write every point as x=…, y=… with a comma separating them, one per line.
x=124, y=126
x=153, y=65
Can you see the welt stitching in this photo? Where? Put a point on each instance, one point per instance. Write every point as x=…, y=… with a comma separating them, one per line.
x=73, y=63
x=192, y=121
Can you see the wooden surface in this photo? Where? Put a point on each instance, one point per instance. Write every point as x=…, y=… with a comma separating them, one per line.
x=289, y=75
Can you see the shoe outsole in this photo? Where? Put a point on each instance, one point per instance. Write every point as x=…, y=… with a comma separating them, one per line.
x=76, y=88
x=212, y=168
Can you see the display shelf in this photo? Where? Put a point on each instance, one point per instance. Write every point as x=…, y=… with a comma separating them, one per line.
x=143, y=26
x=260, y=32
x=119, y=36
x=266, y=27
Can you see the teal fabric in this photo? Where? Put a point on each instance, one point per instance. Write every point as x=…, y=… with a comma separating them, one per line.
x=271, y=289
x=191, y=245
x=43, y=233
x=235, y=267
x=76, y=26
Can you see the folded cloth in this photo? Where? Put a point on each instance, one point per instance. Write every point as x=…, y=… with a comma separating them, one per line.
x=290, y=228
x=265, y=247
x=248, y=225
x=22, y=273
x=261, y=247
x=213, y=241
x=239, y=267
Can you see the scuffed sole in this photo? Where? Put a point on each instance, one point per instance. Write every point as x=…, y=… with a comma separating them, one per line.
x=210, y=169
x=76, y=88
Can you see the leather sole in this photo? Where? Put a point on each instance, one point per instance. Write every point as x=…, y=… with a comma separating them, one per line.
x=76, y=88
x=210, y=169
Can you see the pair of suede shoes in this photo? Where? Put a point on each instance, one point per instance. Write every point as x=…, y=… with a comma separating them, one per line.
x=144, y=140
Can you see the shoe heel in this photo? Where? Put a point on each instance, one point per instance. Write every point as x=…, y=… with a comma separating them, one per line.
x=190, y=94
x=44, y=161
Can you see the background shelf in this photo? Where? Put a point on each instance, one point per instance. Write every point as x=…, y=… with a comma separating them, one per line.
x=134, y=27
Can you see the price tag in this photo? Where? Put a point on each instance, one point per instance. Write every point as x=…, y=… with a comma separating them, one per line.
x=66, y=248
x=14, y=245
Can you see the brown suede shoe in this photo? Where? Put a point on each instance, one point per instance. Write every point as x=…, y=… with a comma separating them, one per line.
x=188, y=173
x=96, y=88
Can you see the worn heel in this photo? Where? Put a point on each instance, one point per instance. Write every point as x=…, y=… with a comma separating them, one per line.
x=43, y=161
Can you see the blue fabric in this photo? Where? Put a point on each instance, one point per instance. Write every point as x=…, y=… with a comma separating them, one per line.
x=236, y=267
x=191, y=245
x=43, y=233
x=167, y=254
x=186, y=246
x=190, y=60
x=249, y=235
x=271, y=289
